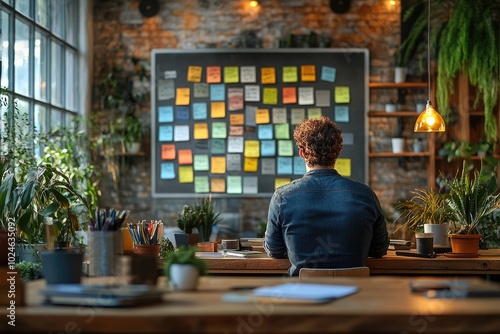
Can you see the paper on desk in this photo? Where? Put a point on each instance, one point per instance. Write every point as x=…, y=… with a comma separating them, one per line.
x=305, y=291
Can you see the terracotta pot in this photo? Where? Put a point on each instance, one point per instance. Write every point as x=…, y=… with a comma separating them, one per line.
x=465, y=243
x=207, y=246
x=148, y=249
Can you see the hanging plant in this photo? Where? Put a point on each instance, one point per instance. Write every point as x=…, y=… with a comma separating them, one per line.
x=466, y=36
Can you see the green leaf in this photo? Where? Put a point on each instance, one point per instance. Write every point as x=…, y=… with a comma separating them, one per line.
x=49, y=209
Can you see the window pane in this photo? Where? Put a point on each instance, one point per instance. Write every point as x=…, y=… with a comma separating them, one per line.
x=56, y=85
x=4, y=81
x=41, y=66
x=56, y=118
x=71, y=81
x=21, y=58
x=58, y=9
x=40, y=118
x=24, y=7
x=69, y=119
x=42, y=12
x=72, y=22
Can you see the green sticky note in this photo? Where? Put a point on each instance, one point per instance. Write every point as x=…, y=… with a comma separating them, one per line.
x=234, y=185
x=219, y=130
x=313, y=113
x=201, y=184
x=285, y=148
x=200, y=162
x=290, y=74
x=270, y=95
x=282, y=131
x=342, y=94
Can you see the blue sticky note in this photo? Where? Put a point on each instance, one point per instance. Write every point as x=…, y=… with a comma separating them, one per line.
x=218, y=146
x=182, y=113
x=299, y=166
x=165, y=114
x=342, y=114
x=328, y=73
x=199, y=110
x=167, y=171
x=265, y=131
x=217, y=92
x=267, y=148
x=166, y=133
x=285, y=165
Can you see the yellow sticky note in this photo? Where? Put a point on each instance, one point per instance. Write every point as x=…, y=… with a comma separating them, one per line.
x=213, y=74
x=308, y=73
x=251, y=165
x=342, y=94
x=218, y=185
x=290, y=74
x=186, y=174
x=343, y=166
x=200, y=131
x=280, y=181
x=182, y=96
x=218, y=165
x=167, y=152
x=231, y=74
x=262, y=116
x=185, y=157
x=218, y=109
x=289, y=95
x=313, y=113
x=236, y=119
x=270, y=95
x=252, y=148
x=268, y=75
x=194, y=74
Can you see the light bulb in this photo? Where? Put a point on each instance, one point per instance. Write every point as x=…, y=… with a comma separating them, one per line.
x=429, y=120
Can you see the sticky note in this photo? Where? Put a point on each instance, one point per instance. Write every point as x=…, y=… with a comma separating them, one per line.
x=328, y=73
x=268, y=75
x=235, y=98
x=165, y=133
x=262, y=116
x=279, y=115
x=181, y=133
x=348, y=138
x=219, y=130
x=199, y=110
x=200, y=131
x=265, y=131
x=200, y=162
x=290, y=74
x=342, y=94
x=218, y=146
x=268, y=166
x=194, y=74
x=236, y=119
x=250, y=185
x=200, y=90
x=313, y=113
x=235, y=144
x=233, y=162
x=341, y=113
x=182, y=113
x=285, y=165
x=282, y=131
x=267, y=148
x=165, y=114
x=201, y=184
x=308, y=73
x=170, y=74
x=248, y=74
x=218, y=185
x=252, y=93
x=234, y=185
x=323, y=98
x=182, y=96
x=250, y=112
x=285, y=148
x=231, y=74
x=251, y=165
x=270, y=95
x=217, y=109
x=252, y=149
x=213, y=74
x=218, y=165
x=306, y=95
x=289, y=95
x=278, y=182
x=217, y=92
x=166, y=89
x=167, y=171
x=167, y=152
x=343, y=166
x=235, y=130
x=185, y=157
x=186, y=174
x=297, y=115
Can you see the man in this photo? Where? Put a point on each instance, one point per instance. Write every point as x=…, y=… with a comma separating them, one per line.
x=324, y=220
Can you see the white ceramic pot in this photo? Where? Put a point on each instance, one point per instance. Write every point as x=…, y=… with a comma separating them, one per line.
x=398, y=145
x=133, y=147
x=184, y=276
x=399, y=74
x=440, y=233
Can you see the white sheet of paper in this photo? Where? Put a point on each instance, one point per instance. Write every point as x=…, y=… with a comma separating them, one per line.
x=305, y=291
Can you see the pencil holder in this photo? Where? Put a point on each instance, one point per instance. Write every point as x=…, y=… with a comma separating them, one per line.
x=103, y=249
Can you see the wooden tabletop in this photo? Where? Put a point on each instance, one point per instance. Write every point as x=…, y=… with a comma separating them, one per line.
x=487, y=263
x=382, y=305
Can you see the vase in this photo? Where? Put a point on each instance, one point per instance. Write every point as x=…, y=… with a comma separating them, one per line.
x=466, y=244
x=440, y=233
x=183, y=277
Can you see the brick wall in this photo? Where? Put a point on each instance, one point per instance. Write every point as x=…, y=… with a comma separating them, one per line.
x=120, y=31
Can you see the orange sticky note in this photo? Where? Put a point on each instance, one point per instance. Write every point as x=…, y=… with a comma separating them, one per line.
x=200, y=131
x=251, y=165
x=185, y=157
x=289, y=95
x=218, y=109
x=308, y=73
x=218, y=185
x=262, y=116
x=236, y=119
x=213, y=74
x=236, y=130
x=167, y=152
x=268, y=75
x=218, y=165
x=194, y=74
x=182, y=96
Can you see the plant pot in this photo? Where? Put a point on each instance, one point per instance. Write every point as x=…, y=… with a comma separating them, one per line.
x=465, y=243
x=147, y=249
x=184, y=277
x=440, y=233
x=62, y=267
x=207, y=246
x=133, y=147
x=398, y=145
x=390, y=107
x=186, y=240
x=399, y=74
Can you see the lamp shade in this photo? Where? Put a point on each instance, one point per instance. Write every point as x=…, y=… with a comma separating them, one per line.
x=429, y=120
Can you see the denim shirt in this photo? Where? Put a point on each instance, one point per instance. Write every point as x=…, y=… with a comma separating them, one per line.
x=324, y=220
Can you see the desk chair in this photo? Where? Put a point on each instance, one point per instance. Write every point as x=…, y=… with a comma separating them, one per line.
x=346, y=272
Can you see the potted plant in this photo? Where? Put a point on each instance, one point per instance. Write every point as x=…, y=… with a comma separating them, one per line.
x=427, y=209
x=208, y=219
x=187, y=220
x=471, y=200
x=132, y=136
x=183, y=269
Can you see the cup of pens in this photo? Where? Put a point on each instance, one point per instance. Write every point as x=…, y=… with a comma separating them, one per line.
x=146, y=236
x=105, y=241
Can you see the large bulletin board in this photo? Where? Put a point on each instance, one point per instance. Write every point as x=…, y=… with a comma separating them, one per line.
x=223, y=120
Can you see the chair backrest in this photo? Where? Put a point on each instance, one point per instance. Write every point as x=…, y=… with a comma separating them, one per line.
x=346, y=272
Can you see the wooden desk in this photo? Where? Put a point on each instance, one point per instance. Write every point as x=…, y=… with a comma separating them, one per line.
x=487, y=263
x=382, y=305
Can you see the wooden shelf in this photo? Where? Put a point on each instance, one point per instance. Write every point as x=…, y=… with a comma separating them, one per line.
x=377, y=113
x=398, y=155
x=397, y=85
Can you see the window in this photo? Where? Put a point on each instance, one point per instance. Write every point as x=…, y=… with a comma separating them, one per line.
x=42, y=58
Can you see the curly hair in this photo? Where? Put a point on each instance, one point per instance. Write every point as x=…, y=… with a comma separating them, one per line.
x=320, y=140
